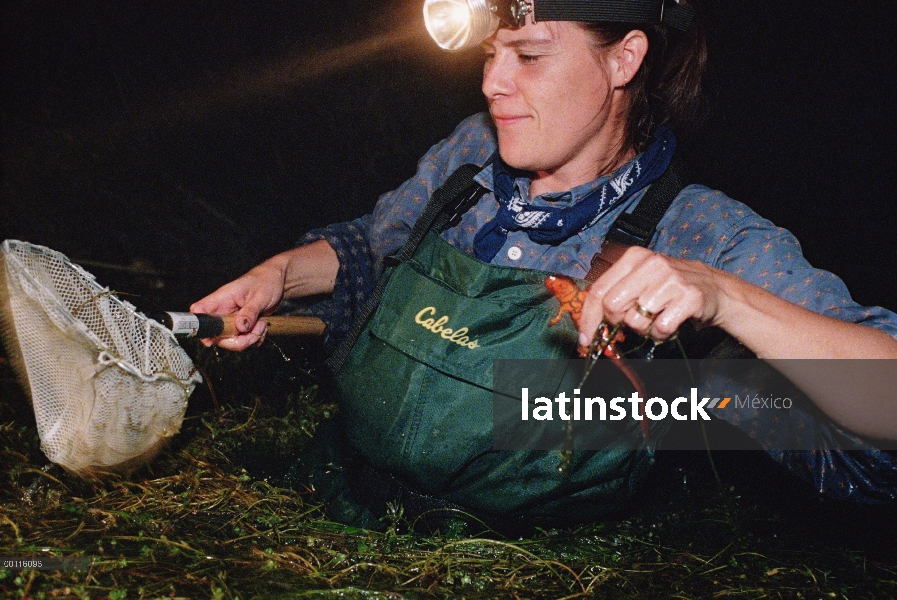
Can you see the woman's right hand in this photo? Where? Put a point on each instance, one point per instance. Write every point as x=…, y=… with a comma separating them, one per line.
x=258, y=292
x=304, y=271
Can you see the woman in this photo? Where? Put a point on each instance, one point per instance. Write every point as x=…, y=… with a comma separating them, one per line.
x=581, y=118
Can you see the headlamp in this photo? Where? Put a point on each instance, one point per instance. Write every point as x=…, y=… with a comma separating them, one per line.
x=458, y=24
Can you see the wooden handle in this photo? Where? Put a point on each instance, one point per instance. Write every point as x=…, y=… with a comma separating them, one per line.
x=280, y=325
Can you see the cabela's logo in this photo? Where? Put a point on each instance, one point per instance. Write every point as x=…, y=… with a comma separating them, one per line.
x=457, y=336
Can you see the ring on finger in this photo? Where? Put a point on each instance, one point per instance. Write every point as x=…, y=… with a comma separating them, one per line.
x=644, y=312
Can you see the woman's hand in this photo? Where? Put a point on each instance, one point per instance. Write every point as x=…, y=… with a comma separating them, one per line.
x=303, y=271
x=256, y=293
x=653, y=295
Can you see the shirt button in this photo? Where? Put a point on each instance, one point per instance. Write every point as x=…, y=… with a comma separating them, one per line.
x=514, y=253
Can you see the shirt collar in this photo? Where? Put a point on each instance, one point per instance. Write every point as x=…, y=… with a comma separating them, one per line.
x=522, y=183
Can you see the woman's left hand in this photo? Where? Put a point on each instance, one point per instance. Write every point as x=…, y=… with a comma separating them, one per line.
x=652, y=294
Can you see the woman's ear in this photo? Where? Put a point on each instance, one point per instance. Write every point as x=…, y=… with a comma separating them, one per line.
x=627, y=56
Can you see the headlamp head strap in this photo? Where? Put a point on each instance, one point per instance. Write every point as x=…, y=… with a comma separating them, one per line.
x=668, y=12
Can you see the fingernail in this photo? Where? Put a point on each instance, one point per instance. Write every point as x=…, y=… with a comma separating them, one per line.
x=244, y=324
x=584, y=339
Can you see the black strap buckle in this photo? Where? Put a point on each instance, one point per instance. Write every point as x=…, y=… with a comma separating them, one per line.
x=460, y=205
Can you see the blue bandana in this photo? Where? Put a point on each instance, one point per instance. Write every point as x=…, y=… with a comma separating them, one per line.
x=553, y=225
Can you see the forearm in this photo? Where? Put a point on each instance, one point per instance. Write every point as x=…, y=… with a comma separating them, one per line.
x=772, y=327
x=668, y=291
x=859, y=395
x=307, y=270
x=303, y=271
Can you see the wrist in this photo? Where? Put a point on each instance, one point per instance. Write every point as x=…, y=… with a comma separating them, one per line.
x=733, y=298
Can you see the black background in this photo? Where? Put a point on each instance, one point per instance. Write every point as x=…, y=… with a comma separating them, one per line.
x=169, y=146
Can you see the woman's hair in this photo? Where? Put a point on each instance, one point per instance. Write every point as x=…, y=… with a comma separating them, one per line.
x=667, y=90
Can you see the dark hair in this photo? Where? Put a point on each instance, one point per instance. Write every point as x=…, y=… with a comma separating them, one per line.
x=668, y=88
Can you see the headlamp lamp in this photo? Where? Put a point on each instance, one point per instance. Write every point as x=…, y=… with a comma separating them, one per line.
x=458, y=24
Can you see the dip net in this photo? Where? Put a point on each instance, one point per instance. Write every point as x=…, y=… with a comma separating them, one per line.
x=108, y=386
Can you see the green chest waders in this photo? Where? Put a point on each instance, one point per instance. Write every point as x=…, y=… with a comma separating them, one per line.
x=416, y=391
x=416, y=388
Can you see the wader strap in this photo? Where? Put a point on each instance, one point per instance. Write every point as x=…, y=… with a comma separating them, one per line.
x=446, y=205
x=638, y=227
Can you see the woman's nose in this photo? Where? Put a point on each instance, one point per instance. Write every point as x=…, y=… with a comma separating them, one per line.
x=497, y=77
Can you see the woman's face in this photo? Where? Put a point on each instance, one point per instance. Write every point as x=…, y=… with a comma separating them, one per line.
x=550, y=93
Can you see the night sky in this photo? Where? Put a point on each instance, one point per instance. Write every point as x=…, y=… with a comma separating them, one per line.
x=193, y=139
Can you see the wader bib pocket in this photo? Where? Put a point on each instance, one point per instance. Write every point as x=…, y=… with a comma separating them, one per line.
x=416, y=393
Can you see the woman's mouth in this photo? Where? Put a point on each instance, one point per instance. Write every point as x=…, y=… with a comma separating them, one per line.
x=507, y=120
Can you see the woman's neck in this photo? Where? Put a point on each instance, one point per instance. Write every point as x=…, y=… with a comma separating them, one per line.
x=561, y=180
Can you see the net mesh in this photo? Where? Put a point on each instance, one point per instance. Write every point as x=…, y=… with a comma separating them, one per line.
x=108, y=385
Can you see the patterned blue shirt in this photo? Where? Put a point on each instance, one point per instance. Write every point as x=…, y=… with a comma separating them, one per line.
x=702, y=224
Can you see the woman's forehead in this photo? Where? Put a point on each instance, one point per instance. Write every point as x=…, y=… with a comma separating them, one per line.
x=539, y=34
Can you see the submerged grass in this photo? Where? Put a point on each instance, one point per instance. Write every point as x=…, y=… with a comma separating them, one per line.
x=209, y=519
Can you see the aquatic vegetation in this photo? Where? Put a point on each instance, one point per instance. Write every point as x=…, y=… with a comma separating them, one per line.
x=210, y=518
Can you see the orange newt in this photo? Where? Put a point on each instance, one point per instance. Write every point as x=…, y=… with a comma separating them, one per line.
x=572, y=298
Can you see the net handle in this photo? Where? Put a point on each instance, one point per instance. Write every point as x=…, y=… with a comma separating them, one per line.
x=279, y=325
